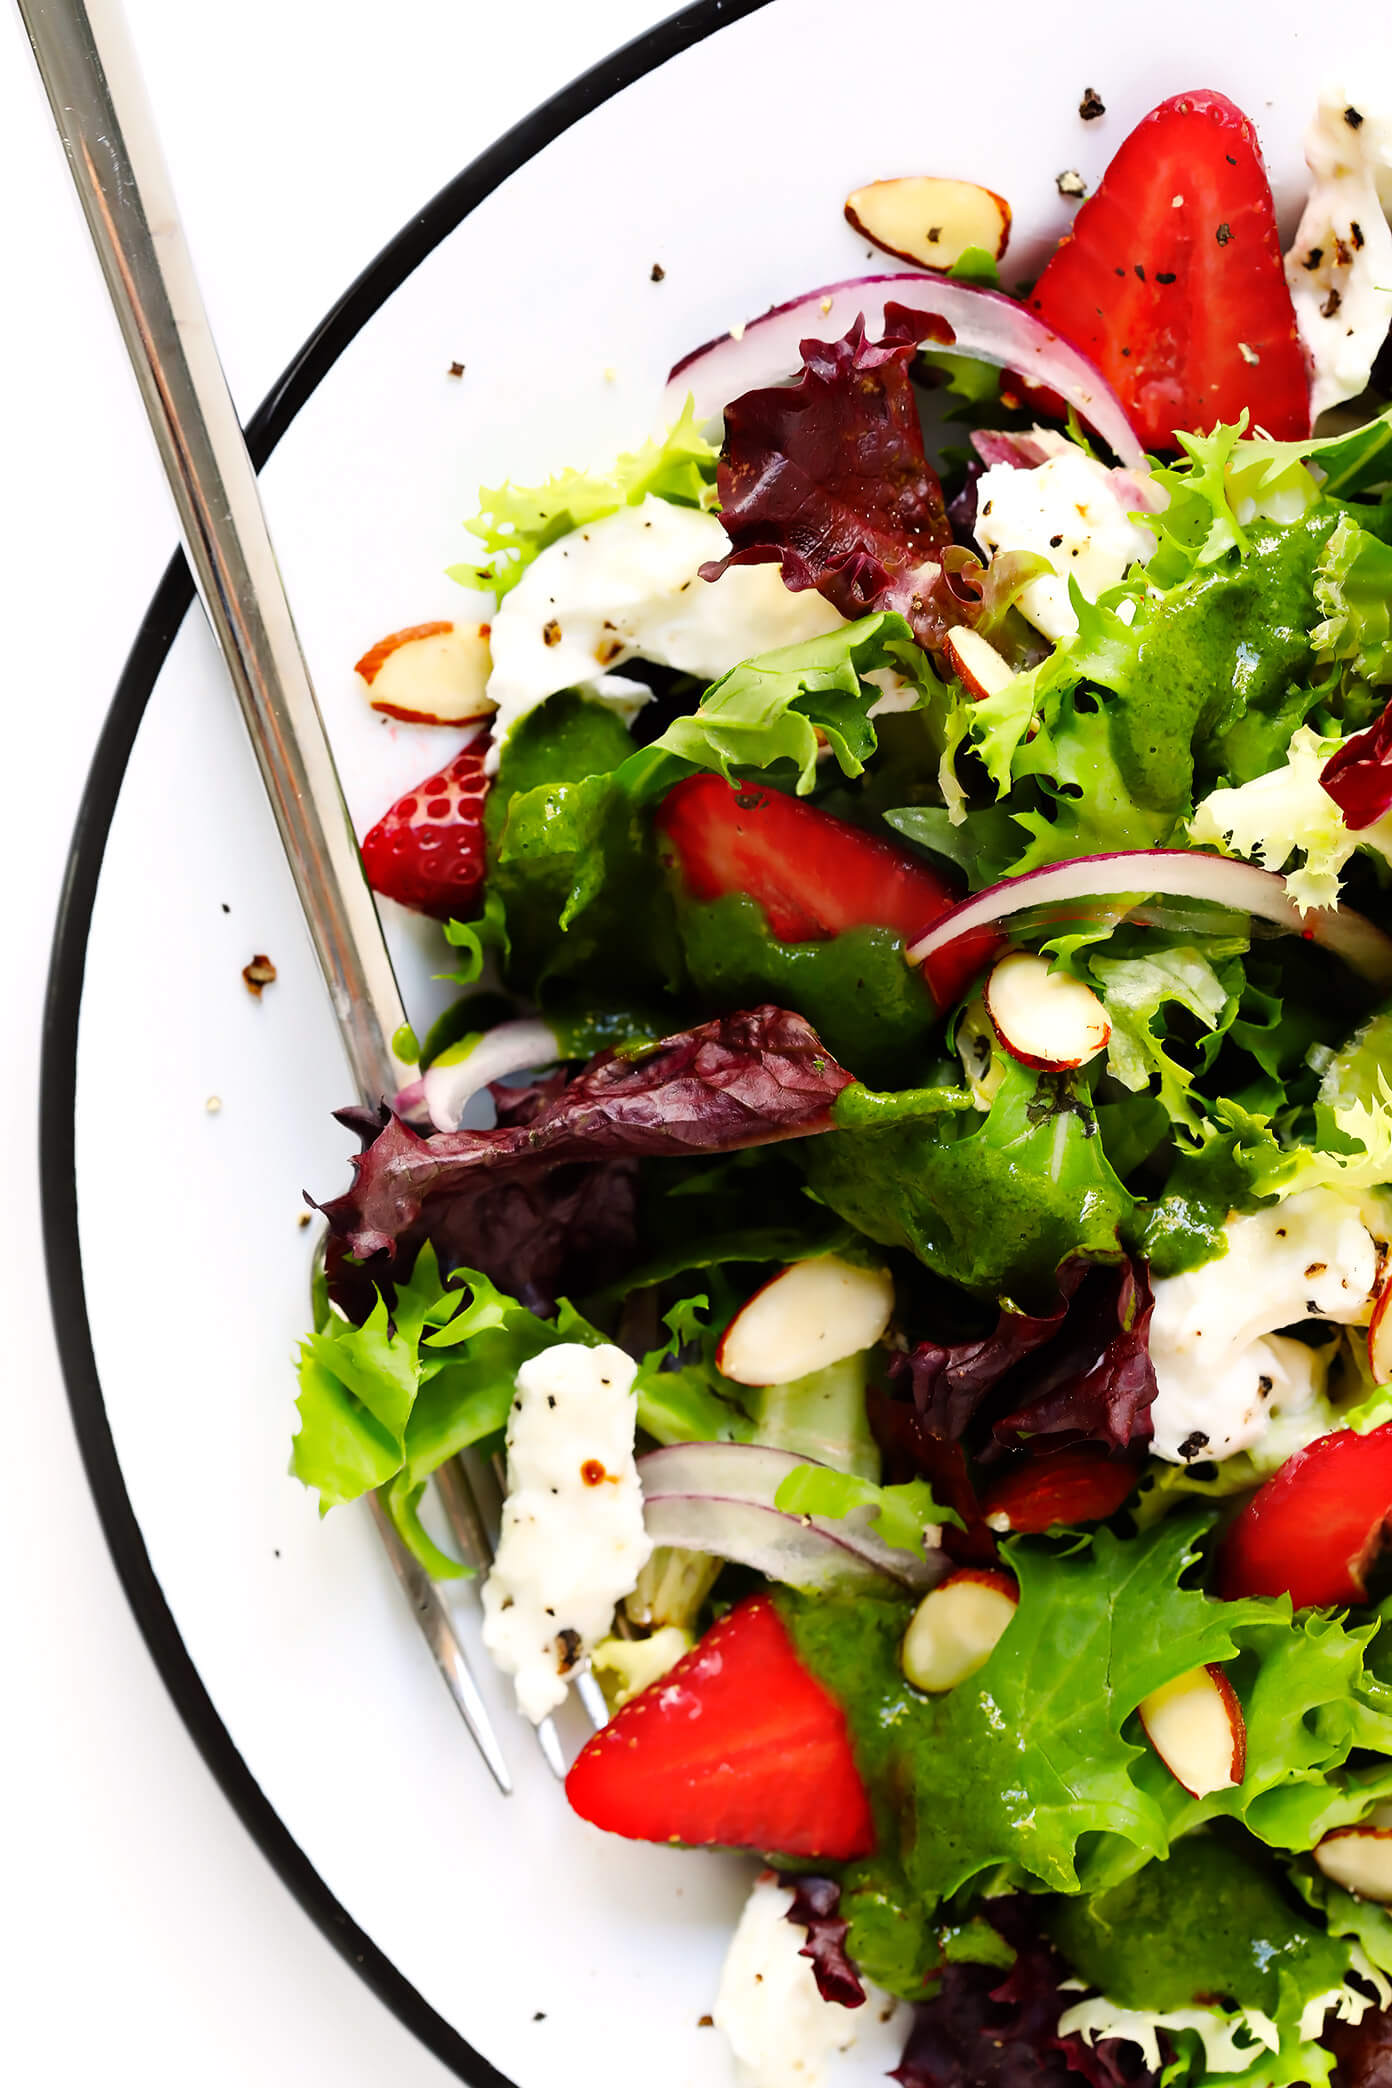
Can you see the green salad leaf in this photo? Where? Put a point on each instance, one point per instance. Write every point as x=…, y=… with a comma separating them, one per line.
x=514, y=523
x=993, y=1203
x=1209, y=1949
x=385, y=1404
x=1353, y=586
x=1027, y=1759
x=782, y=705
x=900, y=1513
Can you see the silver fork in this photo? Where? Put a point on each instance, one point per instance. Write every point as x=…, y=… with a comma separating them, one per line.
x=99, y=105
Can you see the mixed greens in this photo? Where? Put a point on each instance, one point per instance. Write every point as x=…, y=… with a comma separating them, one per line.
x=986, y=1276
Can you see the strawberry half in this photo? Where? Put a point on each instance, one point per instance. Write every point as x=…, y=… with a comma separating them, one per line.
x=1171, y=279
x=427, y=852
x=737, y=1747
x=1317, y=1526
x=1057, y=1487
x=812, y=875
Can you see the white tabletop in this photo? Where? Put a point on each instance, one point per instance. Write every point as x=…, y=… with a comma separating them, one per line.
x=146, y=1940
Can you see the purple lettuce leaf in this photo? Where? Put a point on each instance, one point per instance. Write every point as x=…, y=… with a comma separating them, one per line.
x=828, y=478
x=545, y=1201
x=982, y=2030
x=1080, y=1373
x=1362, y=2051
x=1358, y=775
x=815, y=1905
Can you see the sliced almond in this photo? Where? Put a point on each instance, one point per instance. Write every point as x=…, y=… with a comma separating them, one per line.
x=929, y=220
x=1360, y=1858
x=808, y=1315
x=977, y=665
x=430, y=674
x=957, y=1627
x=1196, y=1726
x=1044, y=1017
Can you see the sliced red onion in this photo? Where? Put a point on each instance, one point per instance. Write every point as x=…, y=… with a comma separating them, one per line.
x=1186, y=873
x=718, y=1498
x=985, y=324
x=513, y=1047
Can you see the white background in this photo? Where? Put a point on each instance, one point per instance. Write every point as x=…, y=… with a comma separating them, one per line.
x=144, y=1937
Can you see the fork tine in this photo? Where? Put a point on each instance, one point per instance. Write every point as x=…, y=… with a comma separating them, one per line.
x=592, y=1697
x=464, y=1513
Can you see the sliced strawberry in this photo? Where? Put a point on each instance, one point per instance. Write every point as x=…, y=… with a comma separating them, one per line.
x=1317, y=1526
x=427, y=851
x=813, y=875
x=1065, y=1486
x=1171, y=279
x=737, y=1746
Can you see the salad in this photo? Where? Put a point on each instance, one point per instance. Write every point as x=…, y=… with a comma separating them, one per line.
x=906, y=1184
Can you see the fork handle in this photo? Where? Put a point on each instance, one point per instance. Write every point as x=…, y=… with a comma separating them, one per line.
x=103, y=117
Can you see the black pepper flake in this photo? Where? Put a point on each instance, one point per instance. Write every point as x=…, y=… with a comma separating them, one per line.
x=934, y=234
x=1054, y=542
x=1265, y=1385
x=1071, y=183
x=569, y=1643
x=1192, y=1445
x=1119, y=271
x=1223, y=234
x=1126, y=351
x=1165, y=275
x=658, y=274
x=1331, y=305
x=1140, y=271
x=539, y=2015
x=1353, y=118
x=551, y=633
x=1092, y=105
x=456, y=369
x=1313, y=258
x=1356, y=235
x=225, y=907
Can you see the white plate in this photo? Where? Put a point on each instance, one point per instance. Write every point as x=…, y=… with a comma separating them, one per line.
x=510, y=1935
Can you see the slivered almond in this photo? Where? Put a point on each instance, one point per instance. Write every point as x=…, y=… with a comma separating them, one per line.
x=929, y=220
x=430, y=674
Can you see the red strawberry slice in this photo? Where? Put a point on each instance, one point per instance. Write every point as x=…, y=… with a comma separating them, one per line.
x=738, y=1747
x=1172, y=282
x=427, y=851
x=1317, y=1526
x=813, y=875
x=1064, y=1487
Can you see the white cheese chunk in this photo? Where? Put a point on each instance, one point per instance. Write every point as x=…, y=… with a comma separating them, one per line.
x=1225, y=1381
x=1072, y=511
x=572, y=1542
x=781, y=2031
x=630, y=584
x=1340, y=266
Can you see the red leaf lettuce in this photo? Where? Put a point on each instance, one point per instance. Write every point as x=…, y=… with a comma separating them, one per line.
x=982, y=2030
x=546, y=1200
x=828, y=478
x=1358, y=775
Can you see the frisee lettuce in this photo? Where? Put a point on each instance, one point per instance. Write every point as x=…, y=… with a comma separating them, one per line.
x=1033, y=1759
x=515, y=523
